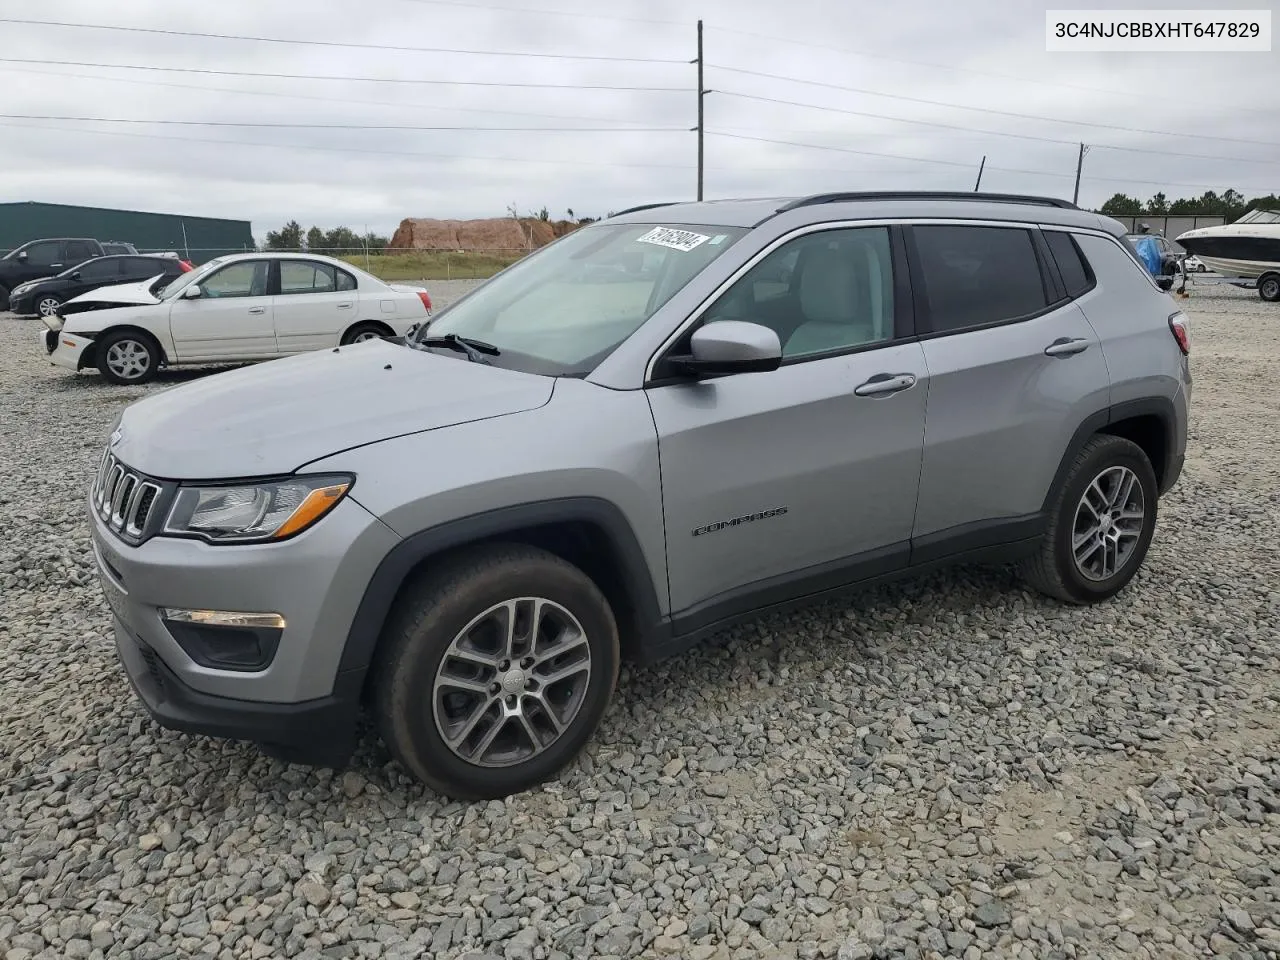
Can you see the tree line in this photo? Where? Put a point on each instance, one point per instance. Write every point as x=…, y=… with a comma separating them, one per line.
x=340, y=241
x=1230, y=204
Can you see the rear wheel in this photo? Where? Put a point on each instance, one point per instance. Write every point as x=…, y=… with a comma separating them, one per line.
x=496, y=669
x=127, y=357
x=47, y=304
x=1269, y=287
x=1100, y=524
x=364, y=331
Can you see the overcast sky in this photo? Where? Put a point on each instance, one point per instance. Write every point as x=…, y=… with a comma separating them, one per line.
x=982, y=53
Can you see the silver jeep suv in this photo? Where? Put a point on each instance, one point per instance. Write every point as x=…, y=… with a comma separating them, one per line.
x=657, y=425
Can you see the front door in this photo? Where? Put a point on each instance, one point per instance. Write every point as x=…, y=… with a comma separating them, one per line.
x=779, y=484
x=44, y=259
x=230, y=320
x=316, y=303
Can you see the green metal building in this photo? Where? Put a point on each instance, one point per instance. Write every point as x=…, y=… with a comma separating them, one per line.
x=195, y=238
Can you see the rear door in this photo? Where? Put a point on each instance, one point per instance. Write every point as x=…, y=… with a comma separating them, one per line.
x=315, y=302
x=230, y=320
x=1014, y=368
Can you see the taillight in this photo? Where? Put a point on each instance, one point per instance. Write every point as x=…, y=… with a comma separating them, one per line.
x=426, y=299
x=1180, y=327
x=186, y=266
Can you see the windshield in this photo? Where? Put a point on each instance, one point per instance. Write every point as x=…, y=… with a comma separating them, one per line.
x=562, y=310
x=172, y=289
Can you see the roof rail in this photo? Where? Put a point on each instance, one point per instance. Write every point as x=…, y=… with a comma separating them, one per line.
x=928, y=195
x=643, y=206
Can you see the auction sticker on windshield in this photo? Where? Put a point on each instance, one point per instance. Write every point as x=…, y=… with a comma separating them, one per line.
x=684, y=240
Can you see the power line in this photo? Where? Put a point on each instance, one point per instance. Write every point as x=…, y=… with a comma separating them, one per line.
x=967, y=165
x=1002, y=113
x=469, y=5
x=277, y=125
x=946, y=66
x=330, y=43
x=313, y=76
x=321, y=99
x=994, y=133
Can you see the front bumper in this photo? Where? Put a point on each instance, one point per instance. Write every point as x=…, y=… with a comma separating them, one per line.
x=298, y=702
x=64, y=349
x=23, y=304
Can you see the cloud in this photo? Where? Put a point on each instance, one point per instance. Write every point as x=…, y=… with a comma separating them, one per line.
x=988, y=54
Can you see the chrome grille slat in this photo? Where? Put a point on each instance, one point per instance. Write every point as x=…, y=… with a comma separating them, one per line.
x=123, y=498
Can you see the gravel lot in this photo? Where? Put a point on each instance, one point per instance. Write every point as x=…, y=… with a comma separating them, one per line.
x=948, y=768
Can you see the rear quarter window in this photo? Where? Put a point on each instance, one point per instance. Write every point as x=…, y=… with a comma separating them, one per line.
x=1076, y=275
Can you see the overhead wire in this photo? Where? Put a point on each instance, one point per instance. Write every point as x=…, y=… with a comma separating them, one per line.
x=282, y=125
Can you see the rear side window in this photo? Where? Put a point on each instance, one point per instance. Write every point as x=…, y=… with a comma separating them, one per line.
x=1075, y=272
x=78, y=251
x=977, y=276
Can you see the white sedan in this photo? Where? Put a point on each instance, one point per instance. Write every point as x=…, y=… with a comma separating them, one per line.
x=235, y=309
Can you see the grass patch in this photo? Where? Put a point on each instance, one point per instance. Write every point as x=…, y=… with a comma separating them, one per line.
x=434, y=265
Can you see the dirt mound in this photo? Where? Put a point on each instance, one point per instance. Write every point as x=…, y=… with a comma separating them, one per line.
x=498, y=233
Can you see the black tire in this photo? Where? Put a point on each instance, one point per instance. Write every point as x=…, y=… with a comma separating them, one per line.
x=48, y=298
x=125, y=339
x=1052, y=569
x=4, y=299
x=434, y=610
x=363, y=331
x=1269, y=287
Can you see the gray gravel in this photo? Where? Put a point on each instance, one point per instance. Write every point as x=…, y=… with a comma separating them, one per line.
x=949, y=768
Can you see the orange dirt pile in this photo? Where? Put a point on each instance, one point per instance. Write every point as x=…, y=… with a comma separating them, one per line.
x=498, y=233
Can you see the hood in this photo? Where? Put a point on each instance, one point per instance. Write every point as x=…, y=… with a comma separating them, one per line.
x=126, y=294
x=275, y=417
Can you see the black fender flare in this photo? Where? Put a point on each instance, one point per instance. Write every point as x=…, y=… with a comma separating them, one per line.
x=404, y=557
x=1160, y=407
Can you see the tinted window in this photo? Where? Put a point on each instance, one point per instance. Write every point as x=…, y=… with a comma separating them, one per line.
x=148, y=267
x=99, y=269
x=1075, y=273
x=820, y=292
x=248, y=278
x=345, y=280
x=116, y=248
x=978, y=275
x=303, y=277
x=78, y=251
x=45, y=254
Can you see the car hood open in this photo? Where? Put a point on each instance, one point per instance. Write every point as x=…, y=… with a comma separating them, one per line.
x=273, y=418
x=124, y=294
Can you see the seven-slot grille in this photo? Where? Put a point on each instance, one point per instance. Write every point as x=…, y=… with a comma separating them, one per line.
x=123, y=498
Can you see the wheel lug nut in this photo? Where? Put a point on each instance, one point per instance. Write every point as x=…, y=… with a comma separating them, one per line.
x=504, y=665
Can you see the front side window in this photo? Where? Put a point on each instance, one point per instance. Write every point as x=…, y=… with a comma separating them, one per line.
x=976, y=276
x=99, y=269
x=248, y=278
x=298, y=276
x=563, y=309
x=44, y=254
x=822, y=292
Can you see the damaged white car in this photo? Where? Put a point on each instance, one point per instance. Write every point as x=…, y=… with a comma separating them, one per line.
x=235, y=309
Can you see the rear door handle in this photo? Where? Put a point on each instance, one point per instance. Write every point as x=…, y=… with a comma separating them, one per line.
x=257, y=309
x=345, y=306
x=1066, y=347
x=883, y=384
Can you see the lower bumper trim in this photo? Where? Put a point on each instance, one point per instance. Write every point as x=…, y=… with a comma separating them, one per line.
x=316, y=732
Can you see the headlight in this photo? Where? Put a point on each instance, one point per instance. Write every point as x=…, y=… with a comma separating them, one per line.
x=257, y=512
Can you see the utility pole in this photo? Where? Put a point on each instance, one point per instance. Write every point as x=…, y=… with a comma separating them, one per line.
x=701, y=93
x=1075, y=197
x=980, y=166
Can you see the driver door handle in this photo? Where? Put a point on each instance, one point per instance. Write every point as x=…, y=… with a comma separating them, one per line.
x=883, y=384
x=1066, y=347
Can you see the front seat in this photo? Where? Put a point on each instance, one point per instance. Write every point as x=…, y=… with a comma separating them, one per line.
x=829, y=298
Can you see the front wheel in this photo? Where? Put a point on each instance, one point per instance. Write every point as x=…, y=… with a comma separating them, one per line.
x=1100, y=524
x=47, y=305
x=496, y=670
x=1269, y=288
x=127, y=357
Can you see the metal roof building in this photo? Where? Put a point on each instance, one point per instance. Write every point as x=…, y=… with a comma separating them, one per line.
x=196, y=238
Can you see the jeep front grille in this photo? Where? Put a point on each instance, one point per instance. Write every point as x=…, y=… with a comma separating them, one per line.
x=123, y=498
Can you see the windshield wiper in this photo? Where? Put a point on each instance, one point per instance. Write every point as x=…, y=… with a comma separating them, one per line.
x=474, y=349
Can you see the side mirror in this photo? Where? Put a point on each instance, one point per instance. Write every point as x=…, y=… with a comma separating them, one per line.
x=191, y=292
x=22, y=255
x=76, y=275
x=731, y=346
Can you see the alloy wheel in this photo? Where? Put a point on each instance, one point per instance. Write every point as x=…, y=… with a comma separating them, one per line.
x=48, y=306
x=512, y=682
x=1108, y=523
